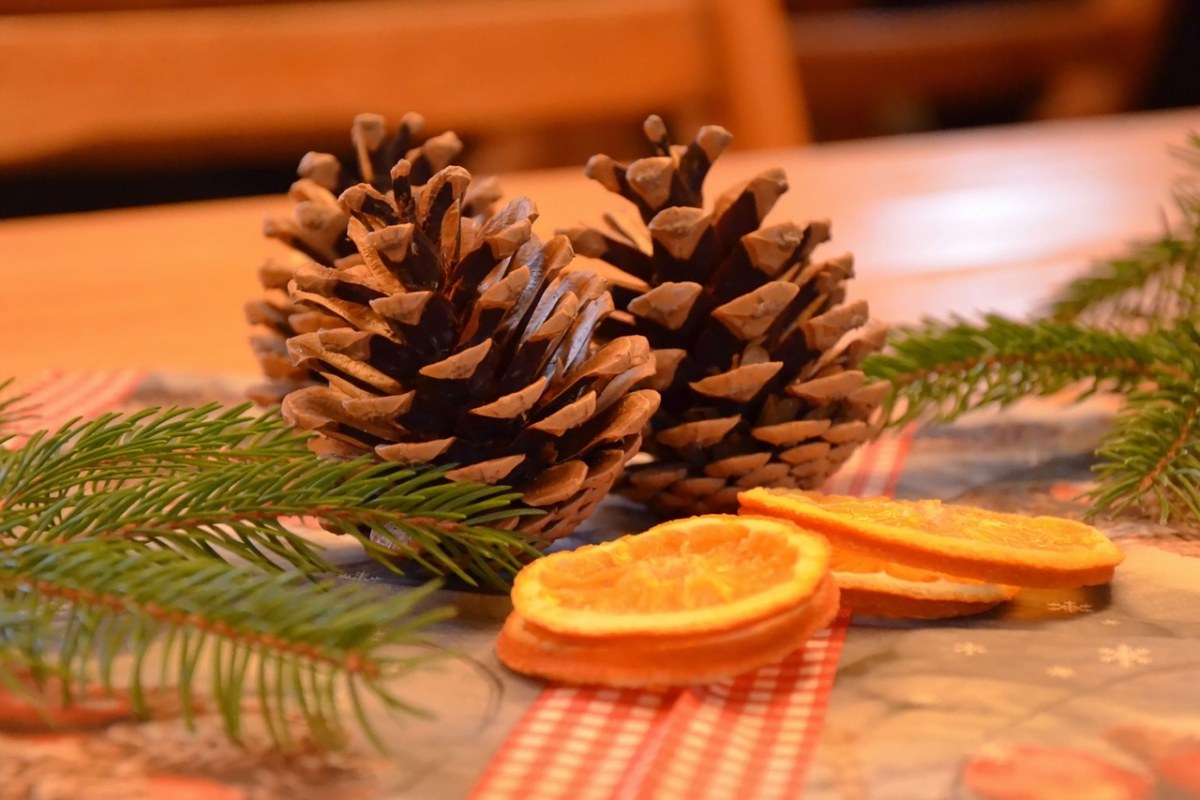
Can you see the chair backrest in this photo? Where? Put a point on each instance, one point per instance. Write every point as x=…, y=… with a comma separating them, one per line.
x=145, y=86
x=1077, y=56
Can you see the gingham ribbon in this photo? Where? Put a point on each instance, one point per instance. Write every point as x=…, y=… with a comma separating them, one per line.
x=749, y=737
x=52, y=399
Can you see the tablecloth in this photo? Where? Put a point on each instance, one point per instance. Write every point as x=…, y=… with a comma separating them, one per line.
x=1062, y=689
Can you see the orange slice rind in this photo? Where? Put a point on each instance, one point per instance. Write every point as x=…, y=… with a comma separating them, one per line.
x=885, y=589
x=966, y=542
x=689, y=576
x=658, y=661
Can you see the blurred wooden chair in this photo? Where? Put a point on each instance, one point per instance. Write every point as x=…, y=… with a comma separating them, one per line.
x=171, y=85
x=863, y=61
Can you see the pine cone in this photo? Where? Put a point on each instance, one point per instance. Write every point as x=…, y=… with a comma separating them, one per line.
x=465, y=342
x=756, y=354
x=317, y=231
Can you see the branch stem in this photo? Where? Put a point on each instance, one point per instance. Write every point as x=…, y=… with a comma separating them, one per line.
x=1185, y=433
x=353, y=662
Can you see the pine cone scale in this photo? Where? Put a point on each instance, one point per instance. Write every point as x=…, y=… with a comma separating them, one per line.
x=513, y=405
x=494, y=470
x=560, y=482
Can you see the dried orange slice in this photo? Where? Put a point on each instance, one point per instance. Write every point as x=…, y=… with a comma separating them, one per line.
x=688, y=601
x=694, y=575
x=885, y=589
x=1011, y=549
x=1048, y=772
x=655, y=661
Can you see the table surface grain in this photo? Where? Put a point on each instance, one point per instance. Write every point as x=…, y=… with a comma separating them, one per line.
x=983, y=220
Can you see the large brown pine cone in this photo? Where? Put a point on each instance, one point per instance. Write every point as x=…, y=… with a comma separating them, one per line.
x=465, y=342
x=756, y=353
x=316, y=231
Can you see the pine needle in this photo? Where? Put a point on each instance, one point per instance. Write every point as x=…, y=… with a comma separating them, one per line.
x=942, y=371
x=1156, y=283
x=288, y=642
x=1151, y=459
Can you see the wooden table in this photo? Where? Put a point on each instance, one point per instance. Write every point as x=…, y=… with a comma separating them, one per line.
x=1072, y=681
x=956, y=222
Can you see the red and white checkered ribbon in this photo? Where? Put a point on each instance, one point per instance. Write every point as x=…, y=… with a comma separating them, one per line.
x=730, y=739
x=52, y=399
x=749, y=737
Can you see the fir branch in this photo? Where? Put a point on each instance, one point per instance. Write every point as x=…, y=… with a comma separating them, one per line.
x=162, y=536
x=229, y=489
x=118, y=447
x=1153, y=285
x=10, y=410
x=291, y=645
x=1151, y=458
x=1129, y=328
x=942, y=371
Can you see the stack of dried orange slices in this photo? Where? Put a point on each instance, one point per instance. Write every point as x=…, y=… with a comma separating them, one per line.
x=688, y=601
x=710, y=597
x=926, y=559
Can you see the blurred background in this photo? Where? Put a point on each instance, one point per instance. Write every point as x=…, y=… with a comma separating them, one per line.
x=110, y=103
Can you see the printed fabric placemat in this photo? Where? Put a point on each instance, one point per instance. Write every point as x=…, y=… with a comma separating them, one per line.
x=1089, y=690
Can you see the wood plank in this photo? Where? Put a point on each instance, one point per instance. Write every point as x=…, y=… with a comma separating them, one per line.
x=137, y=87
x=960, y=222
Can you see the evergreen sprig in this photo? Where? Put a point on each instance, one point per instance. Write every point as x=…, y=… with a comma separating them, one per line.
x=1130, y=328
x=294, y=647
x=163, y=536
x=1151, y=458
x=1156, y=283
x=230, y=489
x=944, y=370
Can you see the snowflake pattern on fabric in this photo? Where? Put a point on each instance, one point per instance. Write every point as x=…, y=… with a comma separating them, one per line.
x=1125, y=656
x=362, y=576
x=1061, y=672
x=1070, y=607
x=969, y=649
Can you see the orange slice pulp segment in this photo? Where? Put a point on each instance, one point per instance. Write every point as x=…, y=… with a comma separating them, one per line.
x=991, y=546
x=693, y=575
